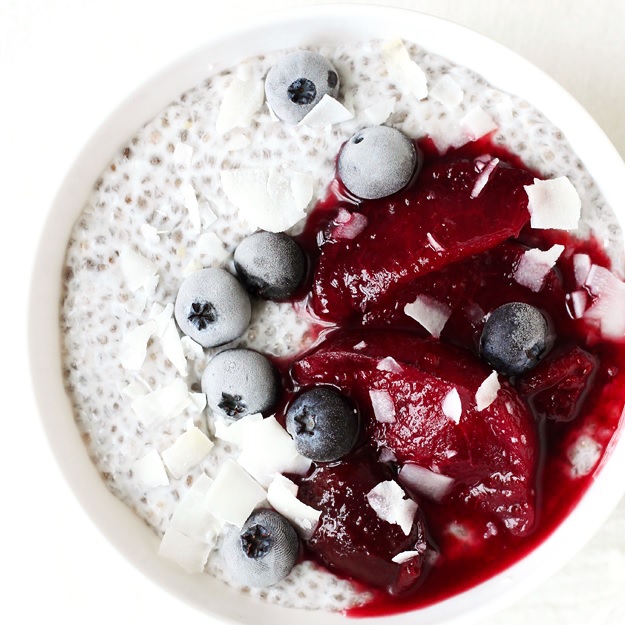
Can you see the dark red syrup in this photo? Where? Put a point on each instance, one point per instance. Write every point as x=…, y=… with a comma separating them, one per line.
x=579, y=387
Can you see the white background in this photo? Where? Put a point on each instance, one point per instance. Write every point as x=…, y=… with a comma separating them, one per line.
x=64, y=65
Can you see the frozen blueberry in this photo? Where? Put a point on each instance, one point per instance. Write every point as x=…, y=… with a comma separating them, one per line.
x=323, y=424
x=297, y=82
x=515, y=337
x=262, y=552
x=270, y=265
x=376, y=162
x=212, y=307
x=238, y=382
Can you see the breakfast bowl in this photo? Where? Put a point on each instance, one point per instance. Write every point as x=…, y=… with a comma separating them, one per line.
x=110, y=153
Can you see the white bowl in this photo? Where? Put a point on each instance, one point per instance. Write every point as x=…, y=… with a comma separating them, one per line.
x=313, y=25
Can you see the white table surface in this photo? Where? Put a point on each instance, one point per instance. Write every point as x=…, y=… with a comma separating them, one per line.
x=79, y=59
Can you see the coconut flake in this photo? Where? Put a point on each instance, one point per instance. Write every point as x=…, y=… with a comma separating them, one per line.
x=405, y=556
x=136, y=304
x=161, y=315
x=432, y=315
x=383, y=406
x=452, y=406
x=163, y=404
x=187, y=452
x=237, y=141
x=553, y=204
x=608, y=307
x=360, y=345
x=389, y=364
x=241, y=101
x=199, y=401
x=192, y=531
x=265, y=435
x=581, y=267
x=487, y=392
x=578, y=303
x=435, y=486
x=183, y=153
x=535, y=265
x=234, y=494
x=477, y=123
x=210, y=245
x=235, y=432
x=190, y=202
x=138, y=271
x=135, y=389
x=403, y=71
x=434, y=244
x=326, y=112
x=269, y=199
x=172, y=348
x=150, y=234
x=448, y=92
x=389, y=502
x=192, y=350
x=380, y=112
x=482, y=180
x=149, y=471
x=207, y=215
x=134, y=345
x=282, y=495
x=348, y=225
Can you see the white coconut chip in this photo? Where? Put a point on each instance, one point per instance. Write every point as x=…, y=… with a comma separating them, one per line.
x=207, y=215
x=138, y=271
x=482, y=180
x=149, y=471
x=487, y=392
x=192, y=531
x=447, y=91
x=269, y=199
x=192, y=350
x=134, y=345
x=360, y=345
x=212, y=248
x=477, y=123
x=136, y=304
x=188, y=450
x=135, y=389
x=150, y=286
x=348, y=225
x=581, y=267
x=172, y=348
x=427, y=483
x=553, y=204
x=190, y=202
x=282, y=495
x=608, y=307
x=264, y=465
x=326, y=112
x=579, y=303
x=383, y=406
x=405, y=556
x=163, y=404
x=432, y=315
x=380, y=112
x=191, y=268
x=452, y=406
x=183, y=153
x=403, y=71
x=199, y=401
x=583, y=455
x=234, y=494
x=389, y=502
x=235, y=432
x=241, y=101
x=434, y=244
x=534, y=266
x=237, y=141
x=150, y=234
x=389, y=364
x=162, y=315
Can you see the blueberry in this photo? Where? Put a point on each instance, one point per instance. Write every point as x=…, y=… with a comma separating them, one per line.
x=270, y=265
x=515, y=337
x=323, y=424
x=238, y=382
x=297, y=82
x=376, y=162
x=262, y=552
x=212, y=307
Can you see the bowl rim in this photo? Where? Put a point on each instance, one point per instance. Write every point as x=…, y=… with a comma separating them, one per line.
x=587, y=140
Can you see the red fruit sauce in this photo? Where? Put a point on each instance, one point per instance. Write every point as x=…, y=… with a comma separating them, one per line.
x=432, y=238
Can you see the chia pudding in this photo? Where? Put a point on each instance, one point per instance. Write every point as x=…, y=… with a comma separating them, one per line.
x=170, y=204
